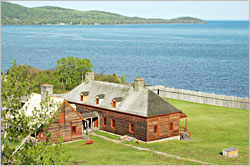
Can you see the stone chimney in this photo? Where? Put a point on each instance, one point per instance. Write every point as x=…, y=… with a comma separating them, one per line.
x=89, y=76
x=138, y=83
x=44, y=89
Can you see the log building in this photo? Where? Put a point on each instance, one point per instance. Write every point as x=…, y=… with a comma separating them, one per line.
x=67, y=122
x=125, y=110
x=135, y=111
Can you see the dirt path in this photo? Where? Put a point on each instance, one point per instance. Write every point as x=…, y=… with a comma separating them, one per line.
x=156, y=152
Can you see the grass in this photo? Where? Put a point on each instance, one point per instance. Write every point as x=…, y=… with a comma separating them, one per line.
x=107, y=135
x=213, y=128
x=103, y=152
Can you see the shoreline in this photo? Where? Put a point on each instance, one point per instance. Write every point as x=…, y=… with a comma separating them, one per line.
x=100, y=24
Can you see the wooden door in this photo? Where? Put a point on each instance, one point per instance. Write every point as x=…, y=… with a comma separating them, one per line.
x=96, y=123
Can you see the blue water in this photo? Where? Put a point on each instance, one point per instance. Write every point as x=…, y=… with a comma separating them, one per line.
x=211, y=57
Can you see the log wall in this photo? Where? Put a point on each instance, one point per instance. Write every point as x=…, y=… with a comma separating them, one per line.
x=163, y=123
x=143, y=126
x=57, y=130
x=121, y=122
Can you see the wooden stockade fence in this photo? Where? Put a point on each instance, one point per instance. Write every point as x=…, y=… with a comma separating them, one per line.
x=201, y=97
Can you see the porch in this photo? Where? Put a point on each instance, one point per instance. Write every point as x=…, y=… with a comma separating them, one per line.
x=90, y=122
x=184, y=133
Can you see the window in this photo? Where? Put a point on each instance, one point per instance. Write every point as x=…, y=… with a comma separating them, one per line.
x=73, y=130
x=171, y=126
x=131, y=127
x=104, y=121
x=113, y=104
x=155, y=129
x=116, y=101
x=84, y=95
x=97, y=100
x=61, y=121
x=112, y=123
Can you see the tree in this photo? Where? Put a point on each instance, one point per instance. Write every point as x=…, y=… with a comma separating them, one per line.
x=14, y=87
x=18, y=125
x=71, y=70
x=122, y=78
x=48, y=77
x=110, y=78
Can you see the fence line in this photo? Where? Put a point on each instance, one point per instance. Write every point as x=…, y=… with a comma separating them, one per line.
x=201, y=97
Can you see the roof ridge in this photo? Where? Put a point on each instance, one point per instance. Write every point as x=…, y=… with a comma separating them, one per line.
x=73, y=90
x=112, y=83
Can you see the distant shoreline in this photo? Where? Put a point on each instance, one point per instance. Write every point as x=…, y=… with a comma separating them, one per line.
x=13, y=14
x=207, y=22
x=102, y=24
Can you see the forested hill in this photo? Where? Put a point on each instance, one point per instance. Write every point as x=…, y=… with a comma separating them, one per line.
x=13, y=14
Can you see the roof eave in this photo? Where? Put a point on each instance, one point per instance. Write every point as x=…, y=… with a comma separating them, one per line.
x=107, y=109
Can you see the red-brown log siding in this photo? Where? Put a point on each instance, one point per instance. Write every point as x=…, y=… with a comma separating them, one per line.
x=163, y=126
x=63, y=128
x=143, y=126
x=121, y=122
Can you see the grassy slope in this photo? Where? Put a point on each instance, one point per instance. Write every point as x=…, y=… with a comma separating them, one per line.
x=213, y=128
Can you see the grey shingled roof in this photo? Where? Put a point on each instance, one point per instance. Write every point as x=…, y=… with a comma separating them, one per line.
x=142, y=102
x=86, y=115
x=155, y=102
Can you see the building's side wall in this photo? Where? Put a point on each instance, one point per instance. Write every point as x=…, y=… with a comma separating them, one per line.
x=64, y=130
x=121, y=122
x=163, y=123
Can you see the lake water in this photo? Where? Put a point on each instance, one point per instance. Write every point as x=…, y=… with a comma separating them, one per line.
x=211, y=57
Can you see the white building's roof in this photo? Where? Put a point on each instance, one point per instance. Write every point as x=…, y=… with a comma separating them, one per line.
x=34, y=102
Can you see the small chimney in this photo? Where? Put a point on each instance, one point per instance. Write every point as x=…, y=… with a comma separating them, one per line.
x=138, y=83
x=89, y=76
x=44, y=89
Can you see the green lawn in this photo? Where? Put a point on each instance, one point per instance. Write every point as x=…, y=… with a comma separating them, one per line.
x=213, y=128
x=103, y=152
x=107, y=135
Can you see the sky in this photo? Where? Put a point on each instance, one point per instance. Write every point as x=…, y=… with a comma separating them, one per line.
x=206, y=10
